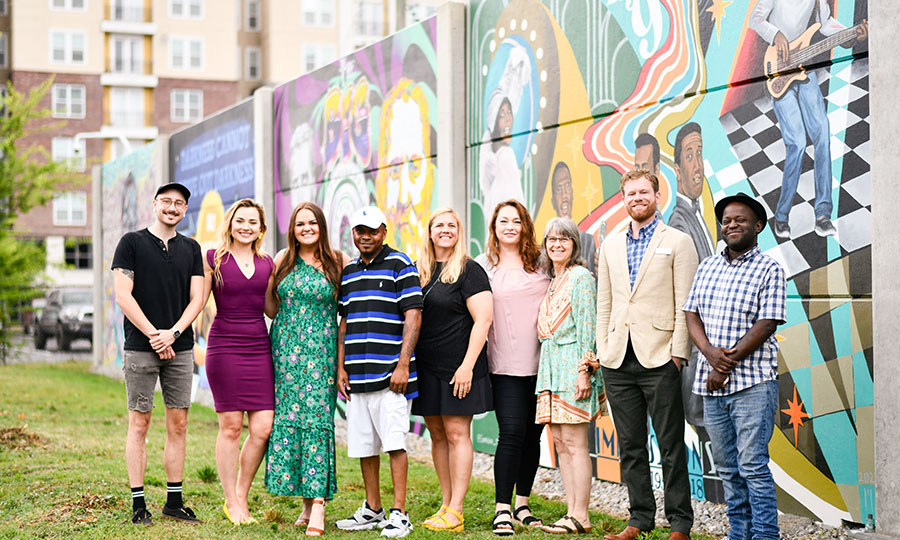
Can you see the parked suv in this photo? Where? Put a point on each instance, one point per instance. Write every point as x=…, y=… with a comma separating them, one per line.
x=68, y=315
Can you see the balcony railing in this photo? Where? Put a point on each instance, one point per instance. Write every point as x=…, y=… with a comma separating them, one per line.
x=128, y=118
x=123, y=11
x=129, y=67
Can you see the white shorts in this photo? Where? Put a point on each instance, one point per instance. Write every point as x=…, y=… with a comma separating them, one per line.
x=377, y=422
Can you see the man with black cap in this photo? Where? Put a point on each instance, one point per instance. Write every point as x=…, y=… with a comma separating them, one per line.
x=158, y=284
x=736, y=301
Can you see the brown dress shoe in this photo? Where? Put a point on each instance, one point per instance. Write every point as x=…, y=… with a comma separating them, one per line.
x=628, y=534
x=678, y=536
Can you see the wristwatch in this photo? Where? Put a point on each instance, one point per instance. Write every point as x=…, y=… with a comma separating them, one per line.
x=175, y=333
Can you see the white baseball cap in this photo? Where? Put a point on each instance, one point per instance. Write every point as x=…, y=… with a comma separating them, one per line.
x=368, y=216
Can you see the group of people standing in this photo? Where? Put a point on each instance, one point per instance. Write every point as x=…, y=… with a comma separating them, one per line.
x=525, y=329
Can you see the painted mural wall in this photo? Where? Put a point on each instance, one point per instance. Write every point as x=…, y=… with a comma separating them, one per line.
x=566, y=95
x=129, y=185
x=362, y=130
x=215, y=159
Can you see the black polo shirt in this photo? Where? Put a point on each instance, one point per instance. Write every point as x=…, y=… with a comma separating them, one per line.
x=374, y=298
x=162, y=283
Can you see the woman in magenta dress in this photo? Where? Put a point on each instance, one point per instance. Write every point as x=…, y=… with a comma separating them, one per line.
x=238, y=353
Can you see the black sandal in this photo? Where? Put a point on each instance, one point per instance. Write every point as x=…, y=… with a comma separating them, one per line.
x=503, y=526
x=529, y=520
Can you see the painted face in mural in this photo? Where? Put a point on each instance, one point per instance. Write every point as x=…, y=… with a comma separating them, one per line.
x=368, y=241
x=689, y=166
x=444, y=234
x=640, y=199
x=643, y=159
x=245, y=226
x=562, y=191
x=306, y=228
x=740, y=227
x=504, y=122
x=508, y=227
x=169, y=207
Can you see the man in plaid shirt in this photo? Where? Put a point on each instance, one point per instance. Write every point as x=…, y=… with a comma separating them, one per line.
x=735, y=303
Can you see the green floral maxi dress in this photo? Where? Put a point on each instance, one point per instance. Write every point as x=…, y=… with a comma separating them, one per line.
x=300, y=459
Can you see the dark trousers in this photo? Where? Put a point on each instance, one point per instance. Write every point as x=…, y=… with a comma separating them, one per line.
x=518, y=447
x=633, y=391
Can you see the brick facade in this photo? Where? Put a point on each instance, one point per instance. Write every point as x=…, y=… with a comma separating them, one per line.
x=39, y=221
x=217, y=95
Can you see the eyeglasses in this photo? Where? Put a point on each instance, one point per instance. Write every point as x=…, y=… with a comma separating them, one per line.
x=166, y=202
x=557, y=239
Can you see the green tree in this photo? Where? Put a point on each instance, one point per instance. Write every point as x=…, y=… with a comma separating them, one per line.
x=28, y=178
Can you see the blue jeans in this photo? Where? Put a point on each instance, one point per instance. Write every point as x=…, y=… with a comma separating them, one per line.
x=740, y=426
x=801, y=111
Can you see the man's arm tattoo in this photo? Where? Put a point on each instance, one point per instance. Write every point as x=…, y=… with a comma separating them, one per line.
x=127, y=273
x=410, y=338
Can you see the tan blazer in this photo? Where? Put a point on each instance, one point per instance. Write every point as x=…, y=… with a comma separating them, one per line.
x=651, y=312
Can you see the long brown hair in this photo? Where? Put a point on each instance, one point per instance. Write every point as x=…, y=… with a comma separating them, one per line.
x=226, y=239
x=331, y=260
x=529, y=251
x=457, y=262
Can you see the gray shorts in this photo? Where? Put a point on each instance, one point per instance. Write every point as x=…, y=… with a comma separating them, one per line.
x=143, y=368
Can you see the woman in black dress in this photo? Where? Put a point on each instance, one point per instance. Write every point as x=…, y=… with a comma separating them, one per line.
x=451, y=356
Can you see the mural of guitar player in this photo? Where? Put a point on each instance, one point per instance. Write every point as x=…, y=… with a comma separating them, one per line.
x=797, y=99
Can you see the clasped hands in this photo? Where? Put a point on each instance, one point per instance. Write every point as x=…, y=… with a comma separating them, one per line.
x=161, y=341
x=722, y=363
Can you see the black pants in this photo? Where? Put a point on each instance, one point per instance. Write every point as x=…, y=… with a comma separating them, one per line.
x=518, y=448
x=633, y=391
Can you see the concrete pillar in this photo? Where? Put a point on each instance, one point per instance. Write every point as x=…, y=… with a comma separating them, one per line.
x=884, y=72
x=263, y=175
x=451, y=97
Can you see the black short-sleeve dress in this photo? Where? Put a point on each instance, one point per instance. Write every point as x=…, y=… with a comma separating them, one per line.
x=443, y=340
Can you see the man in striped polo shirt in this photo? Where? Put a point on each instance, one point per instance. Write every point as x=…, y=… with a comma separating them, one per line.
x=381, y=311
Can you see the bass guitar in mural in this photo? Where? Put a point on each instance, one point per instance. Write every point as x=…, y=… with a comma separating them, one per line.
x=784, y=71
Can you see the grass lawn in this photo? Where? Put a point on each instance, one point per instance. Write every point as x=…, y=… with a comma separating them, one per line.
x=62, y=471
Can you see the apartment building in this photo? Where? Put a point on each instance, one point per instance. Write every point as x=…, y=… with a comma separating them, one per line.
x=126, y=71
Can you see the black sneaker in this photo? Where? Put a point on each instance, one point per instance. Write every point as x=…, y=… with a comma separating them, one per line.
x=142, y=516
x=181, y=514
x=782, y=230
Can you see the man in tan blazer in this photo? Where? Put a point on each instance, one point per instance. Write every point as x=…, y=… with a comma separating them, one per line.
x=644, y=275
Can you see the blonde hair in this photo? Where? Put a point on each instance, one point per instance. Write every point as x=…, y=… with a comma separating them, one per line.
x=457, y=262
x=226, y=239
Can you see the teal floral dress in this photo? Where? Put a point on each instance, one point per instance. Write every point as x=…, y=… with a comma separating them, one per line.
x=300, y=459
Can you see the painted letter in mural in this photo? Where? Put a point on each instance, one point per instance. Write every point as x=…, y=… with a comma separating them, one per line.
x=768, y=97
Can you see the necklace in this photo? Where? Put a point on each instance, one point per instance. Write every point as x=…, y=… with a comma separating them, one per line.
x=554, y=283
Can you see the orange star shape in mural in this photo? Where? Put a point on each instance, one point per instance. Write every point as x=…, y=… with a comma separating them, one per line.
x=717, y=10
x=796, y=414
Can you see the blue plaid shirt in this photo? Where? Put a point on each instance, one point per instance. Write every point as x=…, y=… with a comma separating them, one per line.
x=730, y=296
x=638, y=246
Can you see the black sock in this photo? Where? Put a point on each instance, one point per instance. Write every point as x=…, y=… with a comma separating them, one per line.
x=376, y=510
x=137, y=498
x=174, y=498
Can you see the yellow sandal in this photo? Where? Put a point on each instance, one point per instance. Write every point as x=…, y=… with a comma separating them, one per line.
x=443, y=524
x=430, y=519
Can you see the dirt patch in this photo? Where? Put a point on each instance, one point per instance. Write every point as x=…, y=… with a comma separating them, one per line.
x=19, y=438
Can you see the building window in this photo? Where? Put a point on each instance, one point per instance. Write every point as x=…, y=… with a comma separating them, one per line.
x=252, y=63
x=64, y=149
x=78, y=253
x=186, y=9
x=187, y=105
x=126, y=54
x=68, y=47
x=316, y=55
x=318, y=12
x=4, y=10
x=369, y=18
x=417, y=12
x=68, y=5
x=127, y=10
x=3, y=50
x=251, y=12
x=68, y=101
x=186, y=53
x=70, y=209
x=126, y=107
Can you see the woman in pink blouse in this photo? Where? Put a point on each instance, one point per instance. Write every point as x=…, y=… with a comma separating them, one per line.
x=511, y=261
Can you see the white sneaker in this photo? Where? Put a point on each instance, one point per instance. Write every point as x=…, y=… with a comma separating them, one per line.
x=363, y=519
x=398, y=525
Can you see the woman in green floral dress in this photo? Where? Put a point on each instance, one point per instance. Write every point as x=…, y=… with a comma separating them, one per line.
x=300, y=460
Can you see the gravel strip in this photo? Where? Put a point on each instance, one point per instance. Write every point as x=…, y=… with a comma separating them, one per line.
x=611, y=498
